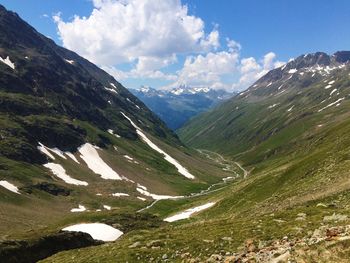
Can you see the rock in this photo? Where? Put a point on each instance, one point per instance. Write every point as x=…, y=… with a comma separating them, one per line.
x=214, y=258
x=136, y=244
x=165, y=256
x=249, y=245
x=333, y=232
x=230, y=259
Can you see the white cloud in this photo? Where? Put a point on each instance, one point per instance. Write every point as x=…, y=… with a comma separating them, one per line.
x=153, y=34
x=119, y=31
x=251, y=70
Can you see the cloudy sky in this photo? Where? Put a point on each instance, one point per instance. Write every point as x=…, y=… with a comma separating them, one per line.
x=166, y=43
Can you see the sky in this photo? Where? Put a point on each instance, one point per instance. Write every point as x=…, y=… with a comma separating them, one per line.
x=164, y=44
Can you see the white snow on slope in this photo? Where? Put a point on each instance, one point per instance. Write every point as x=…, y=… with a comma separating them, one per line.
x=70, y=61
x=330, y=94
x=107, y=207
x=111, y=90
x=113, y=85
x=331, y=82
x=331, y=104
x=70, y=155
x=143, y=190
x=58, y=152
x=141, y=198
x=128, y=157
x=90, y=156
x=45, y=151
x=272, y=106
x=60, y=172
x=187, y=213
x=182, y=170
x=8, y=62
x=9, y=186
x=290, y=108
x=80, y=208
x=97, y=231
x=110, y=131
x=328, y=86
x=120, y=194
x=292, y=71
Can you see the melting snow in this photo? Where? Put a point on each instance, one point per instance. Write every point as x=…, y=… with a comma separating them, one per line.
x=290, y=108
x=120, y=194
x=272, y=106
x=141, y=198
x=107, y=207
x=182, y=170
x=111, y=90
x=97, y=231
x=58, y=152
x=113, y=85
x=331, y=104
x=292, y=71
x=80, y=208
x=328, y=86
x=330, y=94
x=112, y=132
x=8, y=62
x=128, y=157
x=187, y=213
x=331, y=82
x=90, y=155
x=60, y=172
x=9, y=186
x=143, y=190
x=70, y=61
x=70, y=155
x=44, y=150
x=280, y=87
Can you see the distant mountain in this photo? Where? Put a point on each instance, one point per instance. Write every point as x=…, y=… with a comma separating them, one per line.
x=176, y=106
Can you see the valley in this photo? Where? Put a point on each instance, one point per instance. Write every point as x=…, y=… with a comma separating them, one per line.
x=88, y=173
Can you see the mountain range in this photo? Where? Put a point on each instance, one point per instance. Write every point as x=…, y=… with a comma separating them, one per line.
x=89, y=174
x=177, y=105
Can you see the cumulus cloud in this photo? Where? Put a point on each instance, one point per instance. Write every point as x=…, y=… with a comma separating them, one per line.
x=251, y=70
x=153, y=34
x=119, y=31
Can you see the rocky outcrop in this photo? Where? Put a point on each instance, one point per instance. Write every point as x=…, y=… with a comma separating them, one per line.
x=35, y=250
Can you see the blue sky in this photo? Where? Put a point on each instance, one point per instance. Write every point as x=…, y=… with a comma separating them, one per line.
x=221, y=44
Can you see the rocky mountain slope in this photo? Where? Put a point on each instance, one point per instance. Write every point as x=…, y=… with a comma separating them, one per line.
x=75, y=145
x=176, y=106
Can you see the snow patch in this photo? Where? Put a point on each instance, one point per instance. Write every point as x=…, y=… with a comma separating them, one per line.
x=60, y=172
x=272, y=106
x=71, y=155
x=120, y=194
x=187, y=213
x=70, y=61
x=90, y=156
x=107, y=207
x=141, y=198
x=337, y=103
x=97, y=231
x=143, y=190
x=290, y=109
x=331, y=82
x=292, y=71
x=328, y=86
x=128, y=157
x=182, y=170
x=111, y=90
x=9, y=186
x=45, y=151
x=330, y=94
x=8, y=62
x=80, y=208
